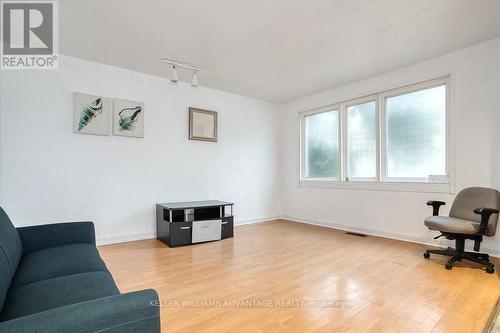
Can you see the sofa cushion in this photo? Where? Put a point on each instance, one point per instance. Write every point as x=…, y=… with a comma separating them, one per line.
x=53, y=293
x=57, y=261
x=11, y=250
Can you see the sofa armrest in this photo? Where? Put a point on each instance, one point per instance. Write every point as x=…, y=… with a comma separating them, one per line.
x=137, y=311
x=40, y=237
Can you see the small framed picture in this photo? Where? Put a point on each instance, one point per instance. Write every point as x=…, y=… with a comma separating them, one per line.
x=91, y=114
x=128, y=118
x=202, y=125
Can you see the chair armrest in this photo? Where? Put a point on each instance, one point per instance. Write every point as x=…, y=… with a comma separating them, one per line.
x=435, y=206
x=485, y=217
x=40, y=237
x=132, y=312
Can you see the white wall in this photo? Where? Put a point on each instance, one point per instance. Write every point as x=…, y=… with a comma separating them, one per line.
x=51, y=174
x=476, y=89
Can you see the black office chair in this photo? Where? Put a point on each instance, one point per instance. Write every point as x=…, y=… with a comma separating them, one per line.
x=474, y=214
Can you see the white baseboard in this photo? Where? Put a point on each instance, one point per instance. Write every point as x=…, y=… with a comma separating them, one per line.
x=328, y=224
x=125, y=238
x=151, y=235
x=256, y=220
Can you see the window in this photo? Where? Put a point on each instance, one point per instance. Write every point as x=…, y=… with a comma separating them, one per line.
x=416, y=134
x=322, y=145
x=393, y=137
x=362, y=141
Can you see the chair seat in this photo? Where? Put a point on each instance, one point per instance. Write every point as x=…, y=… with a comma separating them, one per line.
x=53, y=293
x=452, y=225
x=57, y=261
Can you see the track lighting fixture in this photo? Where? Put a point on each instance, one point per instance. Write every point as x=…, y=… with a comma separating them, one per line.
x=175, y=78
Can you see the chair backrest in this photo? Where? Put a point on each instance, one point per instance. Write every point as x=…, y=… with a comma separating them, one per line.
x=11, y=250
x=476, y=197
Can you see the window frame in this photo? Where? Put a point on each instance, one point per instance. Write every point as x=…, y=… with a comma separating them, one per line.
x=381, y=181
x=383, y=97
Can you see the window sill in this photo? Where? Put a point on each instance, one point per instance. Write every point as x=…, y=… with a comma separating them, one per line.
x=424, y=187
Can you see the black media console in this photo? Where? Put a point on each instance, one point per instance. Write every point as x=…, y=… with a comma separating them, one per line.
x=185, y=223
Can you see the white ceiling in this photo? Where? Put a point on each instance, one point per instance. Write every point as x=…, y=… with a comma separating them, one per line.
x=275, y=50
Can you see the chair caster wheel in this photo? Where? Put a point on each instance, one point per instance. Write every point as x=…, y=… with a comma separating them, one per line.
x=448, y=266
x=427, y=255
x=490, y=270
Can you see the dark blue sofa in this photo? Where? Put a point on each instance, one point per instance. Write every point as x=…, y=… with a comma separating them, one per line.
x=52, y=279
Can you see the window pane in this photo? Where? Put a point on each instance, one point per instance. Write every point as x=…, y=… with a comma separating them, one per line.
x=322, y=145
x=416, y=134
x=362, y=140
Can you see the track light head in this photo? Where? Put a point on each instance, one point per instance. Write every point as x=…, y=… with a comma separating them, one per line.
x=174, y=78
x=194, y=81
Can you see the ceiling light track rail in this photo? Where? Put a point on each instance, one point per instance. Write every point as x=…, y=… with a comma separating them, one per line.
x=182, y=65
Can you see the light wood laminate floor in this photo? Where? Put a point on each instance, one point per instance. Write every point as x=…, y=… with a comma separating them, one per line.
x=256, y=281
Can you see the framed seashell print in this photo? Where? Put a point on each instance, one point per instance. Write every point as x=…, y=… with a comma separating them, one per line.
x=128, y=118
x=91, y=114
